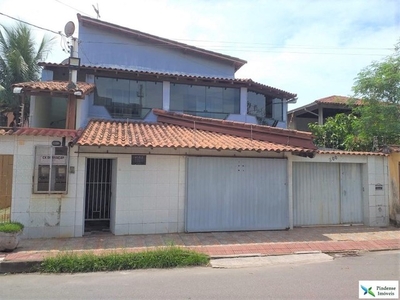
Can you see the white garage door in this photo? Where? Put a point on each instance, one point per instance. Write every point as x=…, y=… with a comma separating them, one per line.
x=326, y=193
x=228, y=194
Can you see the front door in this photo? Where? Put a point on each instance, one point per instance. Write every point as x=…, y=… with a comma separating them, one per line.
x=6, y=176
x=98, y=194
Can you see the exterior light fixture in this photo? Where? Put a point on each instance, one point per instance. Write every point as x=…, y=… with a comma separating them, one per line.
x=17, y=90
x=74, y=62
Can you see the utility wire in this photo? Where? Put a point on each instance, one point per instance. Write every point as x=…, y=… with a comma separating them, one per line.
x=72, y=7
x=42, y=28
x=250, y=45
x=241, y=48
x=257, y=49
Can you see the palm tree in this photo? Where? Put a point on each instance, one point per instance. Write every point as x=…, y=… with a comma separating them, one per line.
x=18, y=63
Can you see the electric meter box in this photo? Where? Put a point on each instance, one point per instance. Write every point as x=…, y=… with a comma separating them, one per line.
x=51, y=170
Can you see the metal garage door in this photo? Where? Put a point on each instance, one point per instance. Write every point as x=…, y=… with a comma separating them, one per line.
x=326, y=193
x=227, y=194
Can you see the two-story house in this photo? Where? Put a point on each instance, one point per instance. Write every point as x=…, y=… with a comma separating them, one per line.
x=157, y=136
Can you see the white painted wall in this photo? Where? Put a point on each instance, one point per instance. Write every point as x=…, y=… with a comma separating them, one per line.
x=378, y=199
x=149, y=198
x=43, y=215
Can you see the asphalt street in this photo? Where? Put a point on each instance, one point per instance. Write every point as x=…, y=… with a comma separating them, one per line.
x=319, y=279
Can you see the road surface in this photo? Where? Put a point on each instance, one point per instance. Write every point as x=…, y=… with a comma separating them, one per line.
x=335, y=279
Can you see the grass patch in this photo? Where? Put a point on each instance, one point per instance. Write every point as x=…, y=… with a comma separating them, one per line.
x=11, y=227
x=169, y=257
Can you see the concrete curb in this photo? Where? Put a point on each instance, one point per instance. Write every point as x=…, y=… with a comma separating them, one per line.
x=18, y=266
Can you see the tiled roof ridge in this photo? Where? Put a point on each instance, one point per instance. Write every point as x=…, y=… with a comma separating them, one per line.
x=34, y=131
x=158, y=111
x=252, y=131
x=343, y=152
x=339, y=100
x=333, y=96
x=238, y=61
x=106, y=132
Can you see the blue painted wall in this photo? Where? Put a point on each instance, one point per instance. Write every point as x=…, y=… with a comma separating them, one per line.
x=99, y=48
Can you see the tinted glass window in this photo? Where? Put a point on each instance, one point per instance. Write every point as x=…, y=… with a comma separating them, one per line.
x=213, y=102
x=127, y=98
x=266, y=109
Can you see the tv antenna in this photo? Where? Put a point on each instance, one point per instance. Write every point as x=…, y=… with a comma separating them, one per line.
x=96, y=9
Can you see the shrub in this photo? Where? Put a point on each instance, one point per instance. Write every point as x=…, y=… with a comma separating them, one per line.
x=11, y=227
x=168, y=257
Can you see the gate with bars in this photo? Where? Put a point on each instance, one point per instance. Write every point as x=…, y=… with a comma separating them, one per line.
x=98, y=194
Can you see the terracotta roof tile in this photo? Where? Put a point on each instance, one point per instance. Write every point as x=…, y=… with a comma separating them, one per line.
x=341, y=152
x=155, y=135
x=394, y=148
x=5, y=131
x=340, y=100
x=252, y=131
x=31, y=131
x=55, y=86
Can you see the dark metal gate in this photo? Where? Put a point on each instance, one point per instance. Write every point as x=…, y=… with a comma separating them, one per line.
x=98, y=194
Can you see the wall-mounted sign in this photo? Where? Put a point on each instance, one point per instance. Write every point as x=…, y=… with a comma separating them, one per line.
x=57, y=159
x=138, y=160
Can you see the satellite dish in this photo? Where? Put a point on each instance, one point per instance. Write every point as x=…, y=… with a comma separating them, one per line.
x=69, y=29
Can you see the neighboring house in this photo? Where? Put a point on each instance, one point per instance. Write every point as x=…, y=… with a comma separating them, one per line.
x=394, y=172
x=318, y=111
x=158, y=136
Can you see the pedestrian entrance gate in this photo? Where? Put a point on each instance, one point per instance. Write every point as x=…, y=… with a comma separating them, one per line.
x=98, y=194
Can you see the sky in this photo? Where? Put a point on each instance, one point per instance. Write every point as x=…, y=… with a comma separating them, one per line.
x=314, y=48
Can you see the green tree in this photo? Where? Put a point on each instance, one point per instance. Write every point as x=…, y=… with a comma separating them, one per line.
x=338, y=132
x=379, y=87
x=19, y=63
x=374, y=123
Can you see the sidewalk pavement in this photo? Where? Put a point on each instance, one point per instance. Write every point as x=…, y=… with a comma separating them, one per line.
x=216, y=244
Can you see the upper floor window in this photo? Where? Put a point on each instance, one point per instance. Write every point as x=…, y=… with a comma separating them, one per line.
x=212, y=102
x=267, y=110
x=125, y=98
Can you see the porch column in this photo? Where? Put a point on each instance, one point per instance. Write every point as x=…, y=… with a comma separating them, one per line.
x=166, y=95
x=71, y=113
x=320, y=115
x=243, y=101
